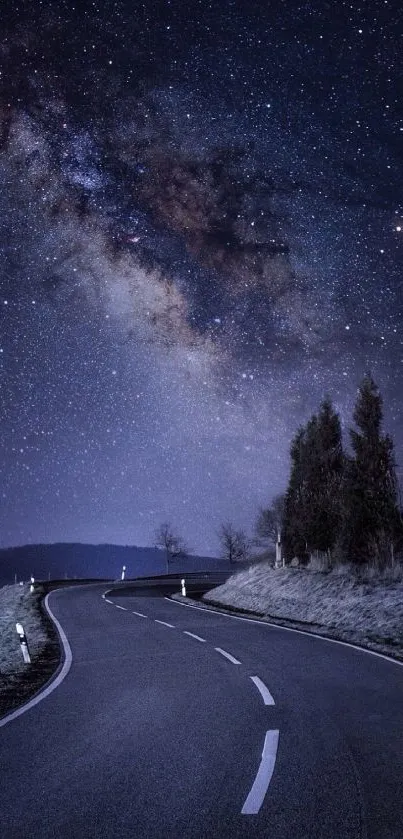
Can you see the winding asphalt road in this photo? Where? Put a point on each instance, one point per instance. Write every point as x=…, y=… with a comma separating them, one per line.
x=180, y=723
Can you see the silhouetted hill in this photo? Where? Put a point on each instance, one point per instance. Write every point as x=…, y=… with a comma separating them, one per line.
x=68, y=559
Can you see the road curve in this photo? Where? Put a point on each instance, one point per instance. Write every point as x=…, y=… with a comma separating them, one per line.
x=184, y=723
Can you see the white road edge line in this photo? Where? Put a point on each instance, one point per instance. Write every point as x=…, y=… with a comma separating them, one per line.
x=140, y=614
x=227, y=655
x=120, y=607
x=68, y=658
x=264, y=691
x=109, y=601
x=192, y=635
x=288, y=629
x=164, y=623
x=260, y=785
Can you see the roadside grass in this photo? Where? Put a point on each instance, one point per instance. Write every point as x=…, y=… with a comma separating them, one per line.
x=364, y=606
x=19, y=681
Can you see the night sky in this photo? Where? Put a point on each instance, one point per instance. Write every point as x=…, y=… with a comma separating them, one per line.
x=201, y=234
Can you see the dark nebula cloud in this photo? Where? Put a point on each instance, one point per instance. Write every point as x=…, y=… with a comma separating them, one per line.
x=201, y=234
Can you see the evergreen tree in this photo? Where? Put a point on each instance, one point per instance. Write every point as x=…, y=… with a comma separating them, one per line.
x=324, y=476
x=294, y=542
x=312, y=505
x=371, y=517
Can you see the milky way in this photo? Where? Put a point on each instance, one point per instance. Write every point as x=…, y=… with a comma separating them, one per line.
x=201, y=219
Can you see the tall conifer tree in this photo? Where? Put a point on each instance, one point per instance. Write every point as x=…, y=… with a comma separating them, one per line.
x=324, y=476
x=371, y=518
x=312, y=505
x=293, y=525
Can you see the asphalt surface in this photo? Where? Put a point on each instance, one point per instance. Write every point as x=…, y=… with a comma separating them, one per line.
x=156, y=734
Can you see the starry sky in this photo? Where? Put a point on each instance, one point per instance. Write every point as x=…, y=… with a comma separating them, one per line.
x=201, y=216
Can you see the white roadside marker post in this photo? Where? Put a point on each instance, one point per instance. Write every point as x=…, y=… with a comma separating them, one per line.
x=279, y=558
x=32, y=587
x=183, y=588
x=123, y=572
x=23, y=642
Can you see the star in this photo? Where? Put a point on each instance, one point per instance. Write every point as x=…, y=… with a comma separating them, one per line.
x=178, y=271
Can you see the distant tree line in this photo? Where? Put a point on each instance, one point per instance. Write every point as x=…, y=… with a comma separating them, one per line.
x=344, y=506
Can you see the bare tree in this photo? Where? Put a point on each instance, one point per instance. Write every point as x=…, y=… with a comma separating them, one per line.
x=235, y=545
x=173, y=544
x=269, y=521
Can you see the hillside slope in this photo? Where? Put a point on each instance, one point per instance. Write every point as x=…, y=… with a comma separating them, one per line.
x=68, y=559
x=359, y=609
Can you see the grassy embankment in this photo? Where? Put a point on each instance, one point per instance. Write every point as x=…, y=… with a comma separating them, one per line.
x=20, y=681
x=365, y=608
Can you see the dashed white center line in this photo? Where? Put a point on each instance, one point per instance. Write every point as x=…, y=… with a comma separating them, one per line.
x=264, y=775
x=227, y=655
x=260, y=785
x=267, y=697
x=192, y=635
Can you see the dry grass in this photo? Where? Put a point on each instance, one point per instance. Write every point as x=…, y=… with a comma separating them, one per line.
x=365, y=607
x=20, y=681
x=17, y=604
x=319, y=562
